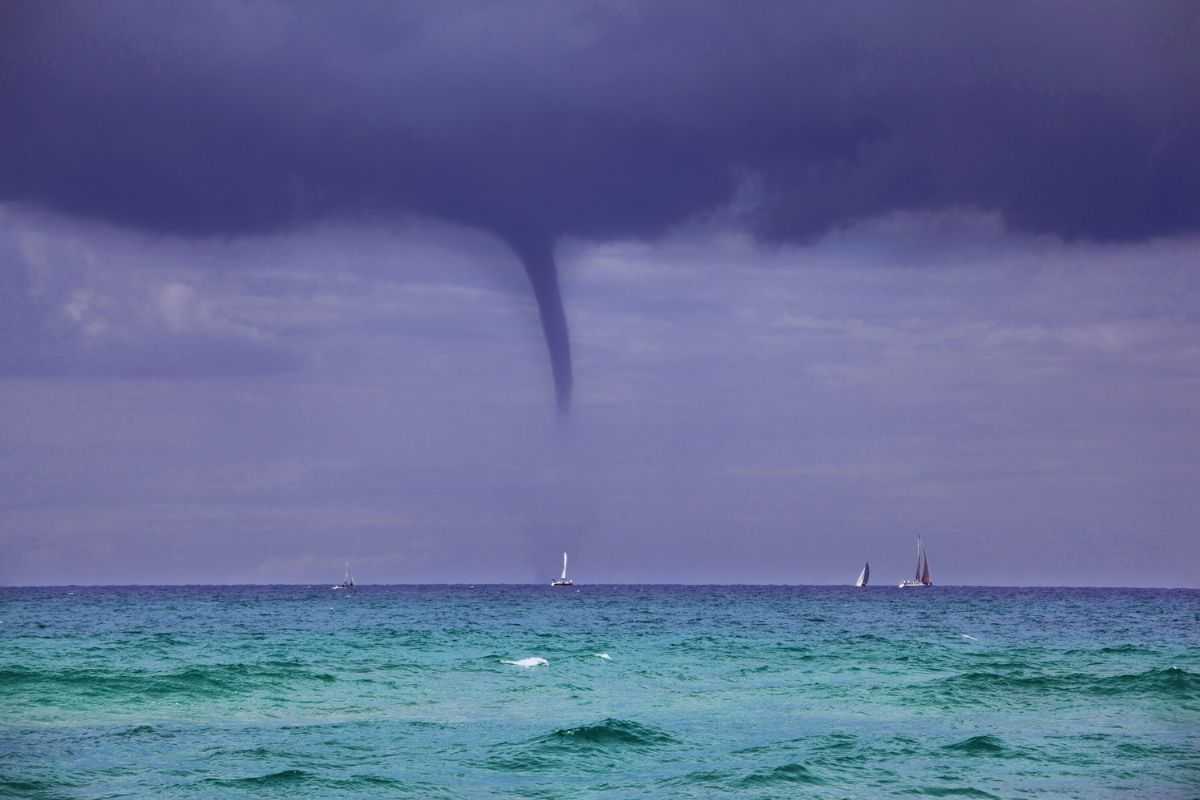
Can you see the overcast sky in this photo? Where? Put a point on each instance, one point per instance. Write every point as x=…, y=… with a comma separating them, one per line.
x=699, y=293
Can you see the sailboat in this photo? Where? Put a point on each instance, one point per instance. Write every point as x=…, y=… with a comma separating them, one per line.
x=921, y=578
x=864, y=577
x=347, y=582
x=563, y=580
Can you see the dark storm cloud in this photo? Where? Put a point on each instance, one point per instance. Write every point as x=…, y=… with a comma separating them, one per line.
x=539, y=120
x=596, y=119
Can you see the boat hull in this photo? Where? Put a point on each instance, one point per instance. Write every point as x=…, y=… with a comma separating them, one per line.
x=562, y=583
x=912, y=585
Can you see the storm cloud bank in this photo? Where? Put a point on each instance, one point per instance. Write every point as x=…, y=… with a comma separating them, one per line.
x=537, y=121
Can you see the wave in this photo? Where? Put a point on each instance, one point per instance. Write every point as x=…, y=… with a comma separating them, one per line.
x=957, y=791
x=285, y=777
x=378, y=782
x=706, y=777
x=201, y=681
x=759, y=669
x=800, y=650
x=608, y=733
x=287, y=780
x=787, y=773
x=140, y=730
x=978, y=746
x=1116, y=649
x=575, y=747
x=28, y=788
x=699, y=642
x=247, y=753
x=869, y=638
x=532, y=661
x=1170, y=682
x=1126, y=648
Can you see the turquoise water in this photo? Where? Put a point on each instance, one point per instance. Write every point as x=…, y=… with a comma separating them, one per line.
x=752, y=692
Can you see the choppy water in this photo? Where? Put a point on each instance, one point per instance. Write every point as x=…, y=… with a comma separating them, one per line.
x=705, y=692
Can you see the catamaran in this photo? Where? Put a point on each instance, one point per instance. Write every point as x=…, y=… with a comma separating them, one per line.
x=563, y=580
x=864, y=577
x=347, y=582
x=921, y=578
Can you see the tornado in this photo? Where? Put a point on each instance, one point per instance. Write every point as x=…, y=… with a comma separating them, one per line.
x=537, y=256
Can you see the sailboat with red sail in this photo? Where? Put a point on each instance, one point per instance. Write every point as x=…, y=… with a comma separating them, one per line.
x=921, y=577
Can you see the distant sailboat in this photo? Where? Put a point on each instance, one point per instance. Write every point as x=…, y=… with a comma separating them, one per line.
x=347, y=582
x=563, y=580
x=921, y=577
x=865, y=576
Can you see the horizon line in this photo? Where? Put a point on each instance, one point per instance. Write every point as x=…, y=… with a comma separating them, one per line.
x=475, y=584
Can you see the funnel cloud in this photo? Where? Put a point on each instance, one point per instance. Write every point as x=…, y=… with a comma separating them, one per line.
x=537, y=256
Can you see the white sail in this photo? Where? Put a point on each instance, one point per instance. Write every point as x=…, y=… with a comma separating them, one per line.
x=921, y=576
x=864, y=576
x=563, y=580
x=347, y=581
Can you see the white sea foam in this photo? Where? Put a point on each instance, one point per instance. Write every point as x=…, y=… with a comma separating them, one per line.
x=605, y=656
x=968, y=636
x=532, y=661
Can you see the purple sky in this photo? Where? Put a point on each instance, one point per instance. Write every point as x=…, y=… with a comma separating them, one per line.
x=833, y=279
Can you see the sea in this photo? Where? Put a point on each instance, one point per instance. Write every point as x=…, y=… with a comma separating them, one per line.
x=599, y=692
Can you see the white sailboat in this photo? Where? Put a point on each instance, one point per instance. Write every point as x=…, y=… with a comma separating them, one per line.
x=921, y=577
x=563, y=580
x=347, y=582
x=864, y=577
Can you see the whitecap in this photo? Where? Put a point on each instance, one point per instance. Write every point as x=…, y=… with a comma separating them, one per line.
x=968, y=636
x=532, y=661
x=605, y=656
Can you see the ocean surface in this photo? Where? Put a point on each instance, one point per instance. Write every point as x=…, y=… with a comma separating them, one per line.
x=644, y=692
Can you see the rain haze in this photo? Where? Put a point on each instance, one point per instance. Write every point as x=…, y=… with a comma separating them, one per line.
x=705, y=293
